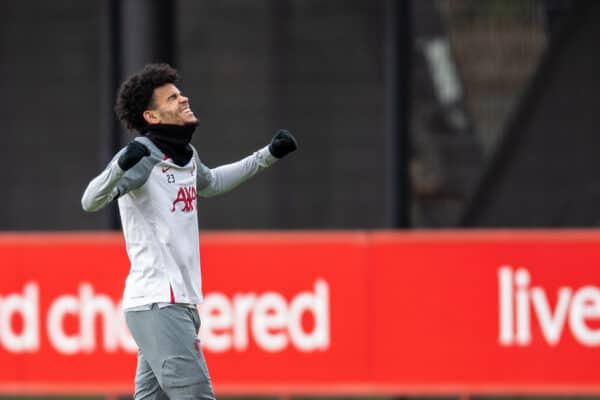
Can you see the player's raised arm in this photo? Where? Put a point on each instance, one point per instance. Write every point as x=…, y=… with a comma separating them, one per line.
x=212, y=182
x=103, y=188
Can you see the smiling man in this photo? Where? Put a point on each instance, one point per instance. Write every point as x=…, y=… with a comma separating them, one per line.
x=157, y=179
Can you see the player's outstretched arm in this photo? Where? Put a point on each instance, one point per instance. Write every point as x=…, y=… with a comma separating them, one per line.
x=102, y=189
x=222, y=179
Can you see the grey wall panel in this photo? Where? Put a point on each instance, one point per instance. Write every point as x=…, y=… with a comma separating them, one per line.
x=49, y=110
x=249, y=67
x=317, y=72
x=547, y=173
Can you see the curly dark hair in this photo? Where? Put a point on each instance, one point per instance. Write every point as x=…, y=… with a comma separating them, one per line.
x=136, y=94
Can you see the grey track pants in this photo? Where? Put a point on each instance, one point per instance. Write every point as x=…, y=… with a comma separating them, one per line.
x=170, y=361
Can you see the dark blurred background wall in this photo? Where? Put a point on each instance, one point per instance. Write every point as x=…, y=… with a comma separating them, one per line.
x=383, y=129
x=313, y=67
x=546, y=171
x=51, y=84
x=249, y=67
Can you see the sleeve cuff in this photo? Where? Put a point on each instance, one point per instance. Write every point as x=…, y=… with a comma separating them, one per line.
x=265, y=156
x=117, y=169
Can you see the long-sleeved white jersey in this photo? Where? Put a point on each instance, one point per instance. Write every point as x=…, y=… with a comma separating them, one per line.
x=157, y=203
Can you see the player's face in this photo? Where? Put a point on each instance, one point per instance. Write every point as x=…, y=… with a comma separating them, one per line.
x=171, y=107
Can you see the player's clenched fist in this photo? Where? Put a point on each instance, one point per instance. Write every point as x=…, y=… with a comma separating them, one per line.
x=282, y=143
x=134, y=152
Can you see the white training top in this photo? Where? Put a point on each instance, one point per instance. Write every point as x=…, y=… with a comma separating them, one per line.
x=157, y=203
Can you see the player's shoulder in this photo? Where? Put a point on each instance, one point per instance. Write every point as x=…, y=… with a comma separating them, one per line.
x=196, y=155
x=155, y=153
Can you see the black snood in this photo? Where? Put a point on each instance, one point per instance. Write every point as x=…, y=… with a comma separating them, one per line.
x=173, y=140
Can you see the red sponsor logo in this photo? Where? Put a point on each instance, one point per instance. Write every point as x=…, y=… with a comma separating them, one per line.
x=521, y=305
x=268, y=319
x=186, y=196
x=85, y=307
x=89, y=321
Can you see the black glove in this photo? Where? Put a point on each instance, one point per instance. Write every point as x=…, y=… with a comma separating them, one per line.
x=282, y=143
x=134, y=152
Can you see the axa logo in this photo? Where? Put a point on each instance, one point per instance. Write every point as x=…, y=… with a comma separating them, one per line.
x=186, y=195
x=521, y=305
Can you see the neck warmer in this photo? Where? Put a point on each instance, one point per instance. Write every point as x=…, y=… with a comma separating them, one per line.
x=173, y=140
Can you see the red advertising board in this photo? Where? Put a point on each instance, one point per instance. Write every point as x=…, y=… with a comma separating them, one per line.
x=314, y=312
x=489, y=311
